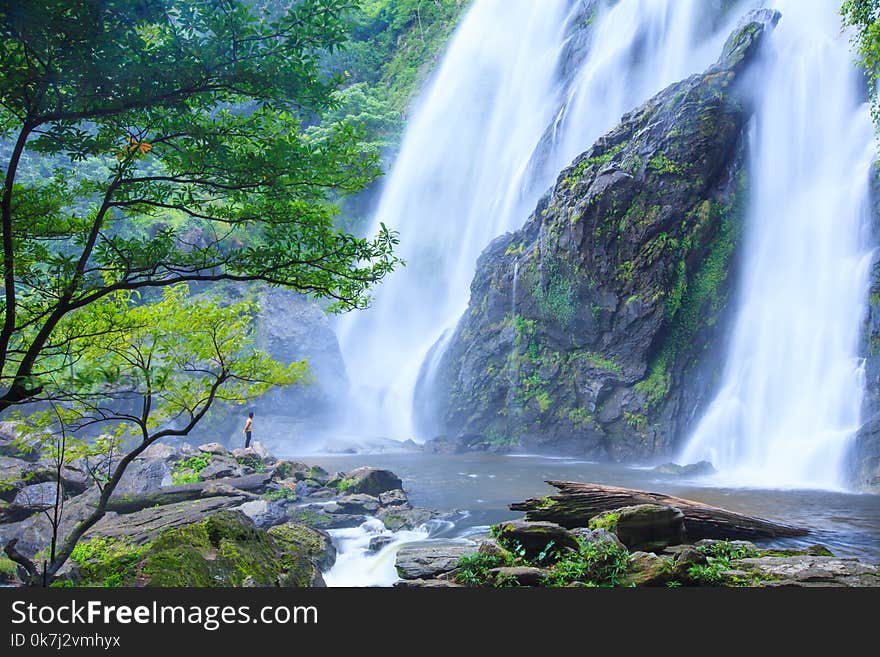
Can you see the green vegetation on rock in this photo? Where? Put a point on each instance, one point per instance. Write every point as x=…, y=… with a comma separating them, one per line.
x=186, y=471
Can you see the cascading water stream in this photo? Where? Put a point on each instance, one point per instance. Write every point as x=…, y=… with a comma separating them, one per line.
x=523, y=88
x=790, y=398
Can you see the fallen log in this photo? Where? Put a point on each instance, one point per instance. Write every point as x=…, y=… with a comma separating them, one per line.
x=234, y=486
x=576, y=503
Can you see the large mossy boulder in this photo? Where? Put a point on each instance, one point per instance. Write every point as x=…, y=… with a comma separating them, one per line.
x=225, y=549
x=314, y=543
x=370, y=481
x=535, y=538
x=620, y=280
x=644, y=526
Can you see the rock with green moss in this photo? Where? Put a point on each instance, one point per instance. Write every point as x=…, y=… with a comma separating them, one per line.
x=371, y=481
x=396, y=518
x=314, y=543
x=648, y=569
x=224, y=549
x=690, y=470
x=808, y=571
x=8, y=572
x=643, y=526
x=534, y=538
x=622, y=285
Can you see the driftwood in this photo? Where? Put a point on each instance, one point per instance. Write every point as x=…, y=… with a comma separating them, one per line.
x=576, y=503
x=237, y=486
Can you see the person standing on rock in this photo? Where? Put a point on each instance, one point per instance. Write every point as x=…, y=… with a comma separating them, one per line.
x=248, y=426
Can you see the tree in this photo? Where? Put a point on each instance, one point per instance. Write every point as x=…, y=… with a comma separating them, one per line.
x=864, y=17
x=173, y=134
x=141, y=373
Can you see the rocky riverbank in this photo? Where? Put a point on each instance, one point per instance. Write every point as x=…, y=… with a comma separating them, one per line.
x=197, y=516
x=639, y=545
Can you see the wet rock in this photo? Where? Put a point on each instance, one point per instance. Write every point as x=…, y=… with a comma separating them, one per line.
x=222, y=549
x=15, y=474
x=12, y=447
x=29, y=500
x=162, y=452
x=264, y=513
x=144, y=476
x=691, y=470
x=686, y=559
x=146, y=525
x=358, y=503
x=518, y=575
x=647, y=569
x=317, y=517
x=213, y=448
x=393, y=498
x=492, y=548
x=426, y=561
x=314, y=543
x=598, y=536
x=220, y=469
x=426, y=583
x=810, y=571
x=647, y=207
x=396, y=518
x=644, y=526
x=534, y=537
x=378, y=542
x=372, y=481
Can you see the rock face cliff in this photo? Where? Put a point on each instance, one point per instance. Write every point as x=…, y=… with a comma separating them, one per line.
x=591, y=330
x=865, y=455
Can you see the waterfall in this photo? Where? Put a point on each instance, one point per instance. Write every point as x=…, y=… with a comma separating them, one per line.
x=523, y=88
x=790, y=396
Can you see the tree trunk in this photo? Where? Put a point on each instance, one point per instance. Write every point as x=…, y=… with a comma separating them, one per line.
x=576, y=503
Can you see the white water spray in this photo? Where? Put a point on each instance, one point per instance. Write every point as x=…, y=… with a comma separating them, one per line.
x=514, y=100
x=790, y=399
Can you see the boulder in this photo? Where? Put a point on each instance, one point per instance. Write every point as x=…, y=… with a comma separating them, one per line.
x=357, y=503
x=220, y=469
x=222, y=549
x=599, y=536
x=262, y=451
x=317, y=517
x=534, y=537
x=264, y=513
x=492, y=548
x=808, y=570
x=427, y=560
x=377, y=543
x=12, y=447
x=213, y=448
x=517, y=575
x=36, y=497
x=643, y=526
x=372, y=481
x=314, y=543
x=15, y=474
x=691, y=470
x=396, y=518
x=599, y=275
x=684, y=560
x=393, y=498
x=144, y=476
x=163, y=452
x=425, y=584
x=146, y=525
x=647, y=569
